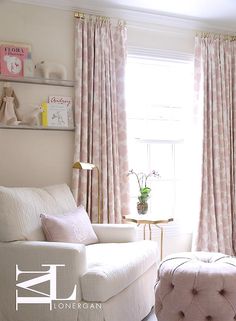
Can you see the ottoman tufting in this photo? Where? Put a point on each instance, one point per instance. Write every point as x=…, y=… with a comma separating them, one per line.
x=196, y=286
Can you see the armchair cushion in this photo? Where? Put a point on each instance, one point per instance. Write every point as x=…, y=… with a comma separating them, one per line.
x=73, y=227
x=20, y=209
x=114, y=266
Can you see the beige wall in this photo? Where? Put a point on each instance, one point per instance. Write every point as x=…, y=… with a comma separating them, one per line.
x=37, y=157
x=41, y=157
x=161, y=38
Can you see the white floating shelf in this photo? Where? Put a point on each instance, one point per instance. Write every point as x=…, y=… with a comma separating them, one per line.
x=39, y=81
x=71, y=128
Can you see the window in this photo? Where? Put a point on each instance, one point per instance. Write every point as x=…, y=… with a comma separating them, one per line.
x=158, y=95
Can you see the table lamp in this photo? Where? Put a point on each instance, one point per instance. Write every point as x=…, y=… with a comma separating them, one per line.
x=90, y=167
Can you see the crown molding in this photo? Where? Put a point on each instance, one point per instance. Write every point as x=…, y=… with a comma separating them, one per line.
x=135, y=17
x=163, y=54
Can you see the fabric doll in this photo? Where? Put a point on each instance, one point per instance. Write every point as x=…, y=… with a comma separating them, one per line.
x=8, y=106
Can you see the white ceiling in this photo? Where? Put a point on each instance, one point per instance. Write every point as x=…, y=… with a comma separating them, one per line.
x=221, y=13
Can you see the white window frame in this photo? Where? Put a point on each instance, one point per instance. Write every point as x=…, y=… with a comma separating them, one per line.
x=162, y=55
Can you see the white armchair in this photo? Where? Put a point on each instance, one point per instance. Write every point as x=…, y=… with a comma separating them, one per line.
x=114, y=278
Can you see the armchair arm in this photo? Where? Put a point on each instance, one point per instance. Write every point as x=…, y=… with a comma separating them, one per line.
x=31, y=255
x=115, y=233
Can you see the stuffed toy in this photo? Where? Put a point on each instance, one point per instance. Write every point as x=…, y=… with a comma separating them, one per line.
x=32, y=118
x=8, y=106
x=47, y=69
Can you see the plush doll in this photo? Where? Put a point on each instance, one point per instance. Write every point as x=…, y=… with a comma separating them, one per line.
x=8, y=106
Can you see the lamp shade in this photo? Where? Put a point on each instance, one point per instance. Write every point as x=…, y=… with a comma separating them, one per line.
x=86, y=166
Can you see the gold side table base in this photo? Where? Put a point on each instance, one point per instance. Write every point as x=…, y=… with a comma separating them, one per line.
x=149, y=220
x=150, y=235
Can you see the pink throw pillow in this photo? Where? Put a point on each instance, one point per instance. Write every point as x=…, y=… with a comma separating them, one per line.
x=73, y=227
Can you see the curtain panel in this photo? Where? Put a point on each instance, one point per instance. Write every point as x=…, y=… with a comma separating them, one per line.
x=215, y=85
x=100, y=117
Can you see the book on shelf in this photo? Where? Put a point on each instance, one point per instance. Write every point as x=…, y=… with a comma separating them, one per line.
x=64, y=100
x=12, y=57
x=44, y=114
x=54, y=115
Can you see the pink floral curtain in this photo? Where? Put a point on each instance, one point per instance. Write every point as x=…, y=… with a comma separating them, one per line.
x=215, y=83
x=100, y=117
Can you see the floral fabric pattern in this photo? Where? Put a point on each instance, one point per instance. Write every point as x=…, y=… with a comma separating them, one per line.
x=100, y=117
x=215, y=82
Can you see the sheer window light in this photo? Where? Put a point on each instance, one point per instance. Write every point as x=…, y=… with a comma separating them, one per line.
x=158, y=95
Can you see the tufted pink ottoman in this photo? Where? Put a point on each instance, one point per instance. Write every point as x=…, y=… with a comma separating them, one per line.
x=196, y=286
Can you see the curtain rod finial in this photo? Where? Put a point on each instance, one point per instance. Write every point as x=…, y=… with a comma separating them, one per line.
x=79, y=15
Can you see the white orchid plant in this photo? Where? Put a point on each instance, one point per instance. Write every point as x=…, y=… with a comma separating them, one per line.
x=142, y=180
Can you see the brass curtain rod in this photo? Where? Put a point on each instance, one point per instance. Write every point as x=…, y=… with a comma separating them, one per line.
x=216, y=35
x=81, y=15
